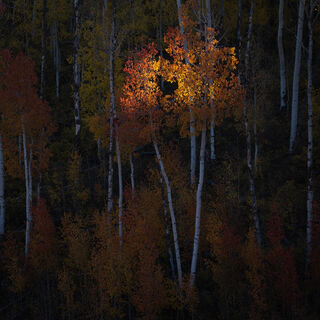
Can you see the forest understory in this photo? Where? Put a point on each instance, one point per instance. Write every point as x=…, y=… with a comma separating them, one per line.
x=160, y=159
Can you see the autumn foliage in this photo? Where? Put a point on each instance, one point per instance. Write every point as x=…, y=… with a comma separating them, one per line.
x=151, y=79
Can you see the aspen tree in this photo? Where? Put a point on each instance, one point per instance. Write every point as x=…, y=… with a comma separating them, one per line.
x=193, y=141
x=296, y=78
x=283, y=90
x=76, y=70
x=140, y=98
x=248, y=135
x=310, y=139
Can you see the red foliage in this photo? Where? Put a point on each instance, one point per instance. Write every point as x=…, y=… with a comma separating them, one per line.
x=23, y=110
x=3, y=9
x=43, y=238
x=140, y=96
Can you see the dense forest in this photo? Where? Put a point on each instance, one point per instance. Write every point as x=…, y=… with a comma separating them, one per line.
x=159, y=159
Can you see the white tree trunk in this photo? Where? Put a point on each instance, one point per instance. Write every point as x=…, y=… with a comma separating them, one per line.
x=208, y=15
x=164, y=203
x=2, y=200
x=120, y=188
x=212, y=137
x=310, y=140
x=193, y=143
x=198, y=207
x=132, y=175
x=283, y=90
x=28, y=183
x=296, y=78
x=171, y=210
x=212, y=125
x=76, y=71
x=193, y=152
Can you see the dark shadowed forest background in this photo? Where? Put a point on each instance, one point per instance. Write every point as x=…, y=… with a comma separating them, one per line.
x=159, y=159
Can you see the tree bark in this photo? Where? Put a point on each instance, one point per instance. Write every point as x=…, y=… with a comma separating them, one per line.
x=171, y=210
x=212, y=125
x=251, y=179
x=255, y=136
x=208, y=15
x=283, y=90
x=247, y=54
x=239, y=29
x=132, y=175
x=112, y=114
x=43, y=49
x=2, y=200
x=120, y=189
x=248, y=136
x=193, y=143
x=33, y=18
x=198, y=207
x=310, y=140
x=56, y=55
x=28, y=184
x=164, y=203
x=296, y=78
x=76, y=71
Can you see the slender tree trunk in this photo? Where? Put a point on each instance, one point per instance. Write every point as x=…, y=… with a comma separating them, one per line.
x=110, y=166
x=33, y=18
x=221, y=15
x=43, y=49
x=56, y=55
x=212, y=137
x=283, y=90
x=247, y=55
x=193, y=142
x=164, y=203
x=132, y=175
x=76, y=71
x=120, y=189
x=161, y=37
x=39, y=189
x=2, y=200
x=99, y=149
x=208, y=15
x=248, y=136
x=239, y=39
x=212, y=125
x=30, y=174
x=296, y=78
x=310, y=141
x=28, y=184
x=255, y=137
x=20, y=150
x=251, y=179
x=171, y=210
x=198, y=207
x=112, y=111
